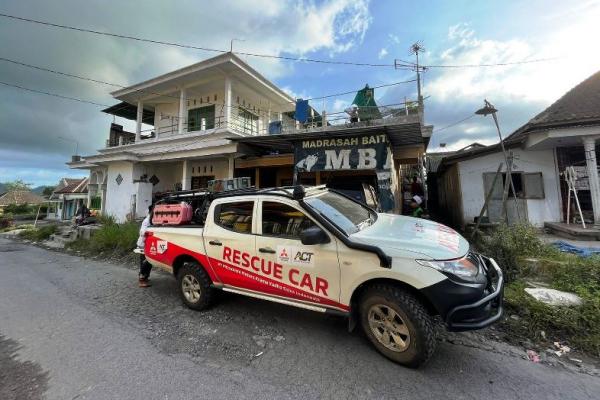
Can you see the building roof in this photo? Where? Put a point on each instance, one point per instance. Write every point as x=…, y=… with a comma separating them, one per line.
x=74, y=185
x=580, y=106
x=215, y=66
x=20, y=197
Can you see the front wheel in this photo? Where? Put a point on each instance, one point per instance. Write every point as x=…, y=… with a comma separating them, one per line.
x=194, y=286
x=398, y=325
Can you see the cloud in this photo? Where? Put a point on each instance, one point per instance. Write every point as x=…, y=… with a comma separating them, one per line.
x=31, y=123
x=382, y=53
x=519, y=92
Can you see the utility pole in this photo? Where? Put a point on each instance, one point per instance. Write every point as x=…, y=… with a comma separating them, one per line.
x=415, y=49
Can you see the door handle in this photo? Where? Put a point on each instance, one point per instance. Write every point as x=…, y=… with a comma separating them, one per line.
x=215, y=243
x=266, y=250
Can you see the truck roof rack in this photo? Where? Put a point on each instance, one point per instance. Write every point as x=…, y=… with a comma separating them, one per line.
x=293, y=192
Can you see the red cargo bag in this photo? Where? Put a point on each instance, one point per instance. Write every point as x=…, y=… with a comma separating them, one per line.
x=172, y=214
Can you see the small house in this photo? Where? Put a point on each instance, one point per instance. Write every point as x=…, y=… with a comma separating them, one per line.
x=566, y=134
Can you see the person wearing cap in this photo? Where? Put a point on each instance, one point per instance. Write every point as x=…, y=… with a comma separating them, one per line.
x=415, y=204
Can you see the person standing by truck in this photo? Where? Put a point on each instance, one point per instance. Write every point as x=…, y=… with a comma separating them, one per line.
x=145, y=266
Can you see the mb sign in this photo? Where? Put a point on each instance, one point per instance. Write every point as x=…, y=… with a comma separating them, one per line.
x=352, y=152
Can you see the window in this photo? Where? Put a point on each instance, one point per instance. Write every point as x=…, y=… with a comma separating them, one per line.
x=236, y=217
x=201, y=182
x=248, y=121
x=348, y=215
x=528, y=185
x=196, y=115
x=283, y=221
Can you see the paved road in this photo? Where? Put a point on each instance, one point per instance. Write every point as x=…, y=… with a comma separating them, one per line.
x=74, y=328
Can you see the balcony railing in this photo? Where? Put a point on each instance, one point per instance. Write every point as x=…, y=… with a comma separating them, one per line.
x=251, y=125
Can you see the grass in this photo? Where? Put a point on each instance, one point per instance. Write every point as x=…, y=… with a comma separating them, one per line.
x=111, y=240
x=524, y=258
x=39, y=234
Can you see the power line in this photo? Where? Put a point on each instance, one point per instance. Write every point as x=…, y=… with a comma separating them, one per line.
x=354, y=91
x=493, y=64
x=85, y=78
x=187, y=46
x=53, y=94
x=454, y=123
x=399, y=64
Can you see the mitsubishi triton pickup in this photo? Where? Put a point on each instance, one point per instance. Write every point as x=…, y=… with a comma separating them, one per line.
x=318, y=249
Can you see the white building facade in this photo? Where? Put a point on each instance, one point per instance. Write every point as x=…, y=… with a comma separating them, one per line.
x=194, y=111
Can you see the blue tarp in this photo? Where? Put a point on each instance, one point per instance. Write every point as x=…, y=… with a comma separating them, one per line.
x=581, y=251
x=302, y=111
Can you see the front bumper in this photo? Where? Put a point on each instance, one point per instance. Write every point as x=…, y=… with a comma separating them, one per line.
x=466, y=306
x=484, y=311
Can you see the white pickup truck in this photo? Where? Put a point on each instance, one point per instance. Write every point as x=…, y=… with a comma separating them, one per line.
x=317, y=249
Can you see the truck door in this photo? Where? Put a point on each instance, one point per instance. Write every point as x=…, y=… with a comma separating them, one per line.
x=229, y=241
x=308, y=273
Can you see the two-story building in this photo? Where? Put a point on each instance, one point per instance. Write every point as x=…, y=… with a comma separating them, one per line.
x=194, y=110
x=220, y=118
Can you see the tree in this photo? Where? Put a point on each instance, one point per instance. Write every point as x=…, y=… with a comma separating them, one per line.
x=17, y=185
x=47, y=191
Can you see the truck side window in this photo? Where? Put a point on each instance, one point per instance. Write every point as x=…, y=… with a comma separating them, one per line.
x=236, y=216
x=283, y=221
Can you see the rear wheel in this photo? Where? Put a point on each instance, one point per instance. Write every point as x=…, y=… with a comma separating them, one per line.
x=398, y=325
x=194, y=286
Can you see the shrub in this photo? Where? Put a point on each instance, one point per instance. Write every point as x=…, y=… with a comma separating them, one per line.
x=509, y=243
x=19, y=209
x=106, y=219
x=38, y=234
x=111, y=239
x=6, y=221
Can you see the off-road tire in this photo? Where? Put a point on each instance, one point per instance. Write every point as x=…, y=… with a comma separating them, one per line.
x=192, y=272
x=420, y=324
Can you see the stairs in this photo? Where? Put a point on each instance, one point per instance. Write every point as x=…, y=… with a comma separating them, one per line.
x=67, y=234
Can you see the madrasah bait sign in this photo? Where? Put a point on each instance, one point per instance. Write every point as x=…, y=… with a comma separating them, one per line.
x=346, y=153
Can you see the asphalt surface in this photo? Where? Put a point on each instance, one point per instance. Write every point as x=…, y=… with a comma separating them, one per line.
x=72, y=328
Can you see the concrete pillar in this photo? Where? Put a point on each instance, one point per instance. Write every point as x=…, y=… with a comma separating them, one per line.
x=102, y=200
x=228, y=102
x=589, y=145
x=186, y=177
x=181, y=125
x=138, y=121
x=231, y=166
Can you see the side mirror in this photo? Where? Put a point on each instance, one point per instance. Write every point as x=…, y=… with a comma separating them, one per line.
x=313, y=235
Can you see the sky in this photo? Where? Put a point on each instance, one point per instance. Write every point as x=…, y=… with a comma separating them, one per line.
x=39, y=133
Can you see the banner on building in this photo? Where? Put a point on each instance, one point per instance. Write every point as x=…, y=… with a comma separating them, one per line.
x=343, y=153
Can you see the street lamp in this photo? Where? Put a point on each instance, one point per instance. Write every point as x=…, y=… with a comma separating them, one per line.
x=486, y=110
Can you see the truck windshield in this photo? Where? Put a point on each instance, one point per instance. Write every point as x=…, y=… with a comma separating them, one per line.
x=349, y=216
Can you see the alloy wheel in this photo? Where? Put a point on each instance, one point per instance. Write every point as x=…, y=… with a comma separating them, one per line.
x=191, y=288
x=388, y=328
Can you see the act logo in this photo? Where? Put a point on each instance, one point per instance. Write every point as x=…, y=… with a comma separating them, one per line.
x=303, y=257
x=153, y=249
x=162, y=246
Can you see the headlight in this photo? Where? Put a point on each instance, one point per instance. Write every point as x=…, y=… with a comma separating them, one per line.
x=461, y=267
